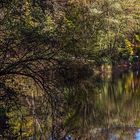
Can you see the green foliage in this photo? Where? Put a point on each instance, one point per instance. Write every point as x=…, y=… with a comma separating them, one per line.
x=128, y=45
x=17, y=123
x=37, y=35
x=137, y=37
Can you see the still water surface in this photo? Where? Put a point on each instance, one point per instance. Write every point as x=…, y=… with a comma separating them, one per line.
x=106, y=108
x=103, y=107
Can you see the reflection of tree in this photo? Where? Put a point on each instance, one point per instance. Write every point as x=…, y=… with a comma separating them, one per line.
x=112, y=105
x=121, y=100
x=91, y=104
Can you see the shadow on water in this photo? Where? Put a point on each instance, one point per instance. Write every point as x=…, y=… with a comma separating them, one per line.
x=101, y=107
x=105, y=107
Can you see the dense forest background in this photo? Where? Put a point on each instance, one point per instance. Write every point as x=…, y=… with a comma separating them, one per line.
x=44, y=39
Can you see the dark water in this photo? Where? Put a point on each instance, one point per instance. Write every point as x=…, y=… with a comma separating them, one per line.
x=103, y=107
x=106, y=108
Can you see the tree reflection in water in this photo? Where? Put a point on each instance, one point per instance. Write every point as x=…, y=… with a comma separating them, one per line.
x=99, y=107
x=104, y=108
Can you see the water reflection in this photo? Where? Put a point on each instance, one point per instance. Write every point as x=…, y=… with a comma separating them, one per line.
x=102, y=107
x=137, y=135
x=108, y=109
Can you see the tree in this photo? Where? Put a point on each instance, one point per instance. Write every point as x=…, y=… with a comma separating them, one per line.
x=27, y=57
x=37, y=36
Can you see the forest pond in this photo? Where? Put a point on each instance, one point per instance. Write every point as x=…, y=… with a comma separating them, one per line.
x=105, y=107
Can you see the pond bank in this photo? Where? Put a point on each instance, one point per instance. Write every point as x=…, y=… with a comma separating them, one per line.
x=107, y=69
